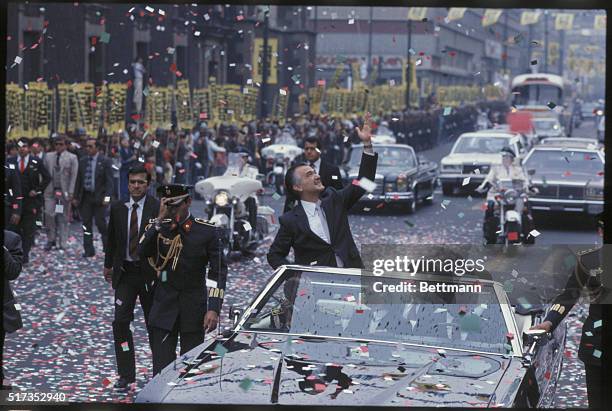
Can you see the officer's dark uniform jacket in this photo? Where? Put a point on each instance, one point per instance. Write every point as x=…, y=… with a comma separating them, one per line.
x=587, y=273
x=181, y=289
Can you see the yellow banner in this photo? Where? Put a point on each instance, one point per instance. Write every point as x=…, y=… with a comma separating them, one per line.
x=456, y=13
x=336, y=78
x=553, y=53
x=529, y=17
x=116, y=116
x=15, y=113
x=600, y=22
x=564, y=21
x=258, y=55
x=356, y=73
x=417, y=13
x=184, y=115
x=490, y=17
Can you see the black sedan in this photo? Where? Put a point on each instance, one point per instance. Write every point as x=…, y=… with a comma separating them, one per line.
x=311, y=337
x=568, y=179
x=402, y=177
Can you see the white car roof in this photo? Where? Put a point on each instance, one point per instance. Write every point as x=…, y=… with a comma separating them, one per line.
x=490, y=133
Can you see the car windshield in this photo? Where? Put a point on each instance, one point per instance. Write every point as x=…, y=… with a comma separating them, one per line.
x=564, y=162
x=387, y=157
x=485, y=145
x=383, y=131
x=286, y=139
x=331, y=305
x=546, y=125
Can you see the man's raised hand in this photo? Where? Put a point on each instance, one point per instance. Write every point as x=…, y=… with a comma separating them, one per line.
x=365, y=133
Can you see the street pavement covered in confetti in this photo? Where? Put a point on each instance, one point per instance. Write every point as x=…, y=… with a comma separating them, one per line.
x=66, y=344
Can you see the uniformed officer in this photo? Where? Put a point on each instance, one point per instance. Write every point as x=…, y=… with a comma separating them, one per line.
x=179, y=247
x=587, y=278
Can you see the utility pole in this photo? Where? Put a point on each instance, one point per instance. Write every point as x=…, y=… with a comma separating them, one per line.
x=545, y=41
x=505, y=55
x=530, y=47
x=408, y=64
x=370, y=46
x=265, y=68
x=561, y=51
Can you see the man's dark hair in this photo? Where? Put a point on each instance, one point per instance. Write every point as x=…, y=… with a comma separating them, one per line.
x=23, y=140
x=313, y=140
x=139, y=169
x=290, y=180
x=95, y=140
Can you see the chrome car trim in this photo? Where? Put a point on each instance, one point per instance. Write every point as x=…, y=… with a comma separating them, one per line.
x=561, y=200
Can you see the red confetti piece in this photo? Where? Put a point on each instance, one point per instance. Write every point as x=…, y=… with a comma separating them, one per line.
x=359, y=311
x=320, y=387
x=547, y=375
x=240, y=17
x=510, y=336
x=302, y=293
x=106, y=382
x=94, y=40
x=203, y=116
x=452, y=53
x=355, y=182
x=136, y=117
x=381, y=205
x=129, y=83
x=567, y=174
x=173, y=68
x=178, y=73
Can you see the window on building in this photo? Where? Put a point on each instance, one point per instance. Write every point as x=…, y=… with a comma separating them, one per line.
x=181, y=59
x=456, y=58
x=95, y=61
x=32, y=67
x=142, y=51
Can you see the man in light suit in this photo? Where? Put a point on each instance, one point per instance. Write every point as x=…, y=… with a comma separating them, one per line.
x=317, y=227
x=63, y=167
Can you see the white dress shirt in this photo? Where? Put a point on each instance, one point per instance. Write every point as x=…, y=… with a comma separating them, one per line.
x=317, y=165
x=316, y=221
x=129, y=218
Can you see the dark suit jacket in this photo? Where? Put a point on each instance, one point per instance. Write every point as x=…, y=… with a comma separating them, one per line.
x=103, y=180
x=308, y=247
x=34, y=177
x=12, y=191
x=326, y=172
x=114, y=255
x=13, y=255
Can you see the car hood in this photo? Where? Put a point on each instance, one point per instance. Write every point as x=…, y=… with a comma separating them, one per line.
x=470, y=158
x=265, y=369
x=569, y=177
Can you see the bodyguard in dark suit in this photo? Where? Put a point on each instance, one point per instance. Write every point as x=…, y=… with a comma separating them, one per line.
x=34, y=178
x=12, y=197
x=317, y=227
x=93, y=193
x=180, y=247
x=130, y=277
x=11, y=319
x=329, y=173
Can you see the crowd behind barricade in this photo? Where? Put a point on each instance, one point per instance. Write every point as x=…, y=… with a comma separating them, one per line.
x=184, y=156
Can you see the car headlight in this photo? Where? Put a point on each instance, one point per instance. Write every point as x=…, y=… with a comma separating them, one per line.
x=595, y=192
x=450, y=168
x=402, y=183
x=221, y=199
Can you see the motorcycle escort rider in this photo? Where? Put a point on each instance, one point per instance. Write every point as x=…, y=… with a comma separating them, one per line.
x=247, y=170
x=507, y=170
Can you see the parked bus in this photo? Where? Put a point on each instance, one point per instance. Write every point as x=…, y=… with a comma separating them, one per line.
x=544, y=94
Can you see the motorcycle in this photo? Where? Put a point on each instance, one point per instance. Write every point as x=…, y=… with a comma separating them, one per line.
x=225, y=198
x=278, y=157
x=512, y=227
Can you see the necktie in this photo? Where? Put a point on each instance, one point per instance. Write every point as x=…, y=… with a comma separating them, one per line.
x=323, y=223
x=134, y=232
x=88, y=175
x=57, y=159
x=22, y=165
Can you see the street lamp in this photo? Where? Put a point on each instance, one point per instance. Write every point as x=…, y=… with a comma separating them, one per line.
x=408, y=64
x=265, y=68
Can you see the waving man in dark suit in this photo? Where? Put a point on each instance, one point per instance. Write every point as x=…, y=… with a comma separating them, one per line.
x=317, y=227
